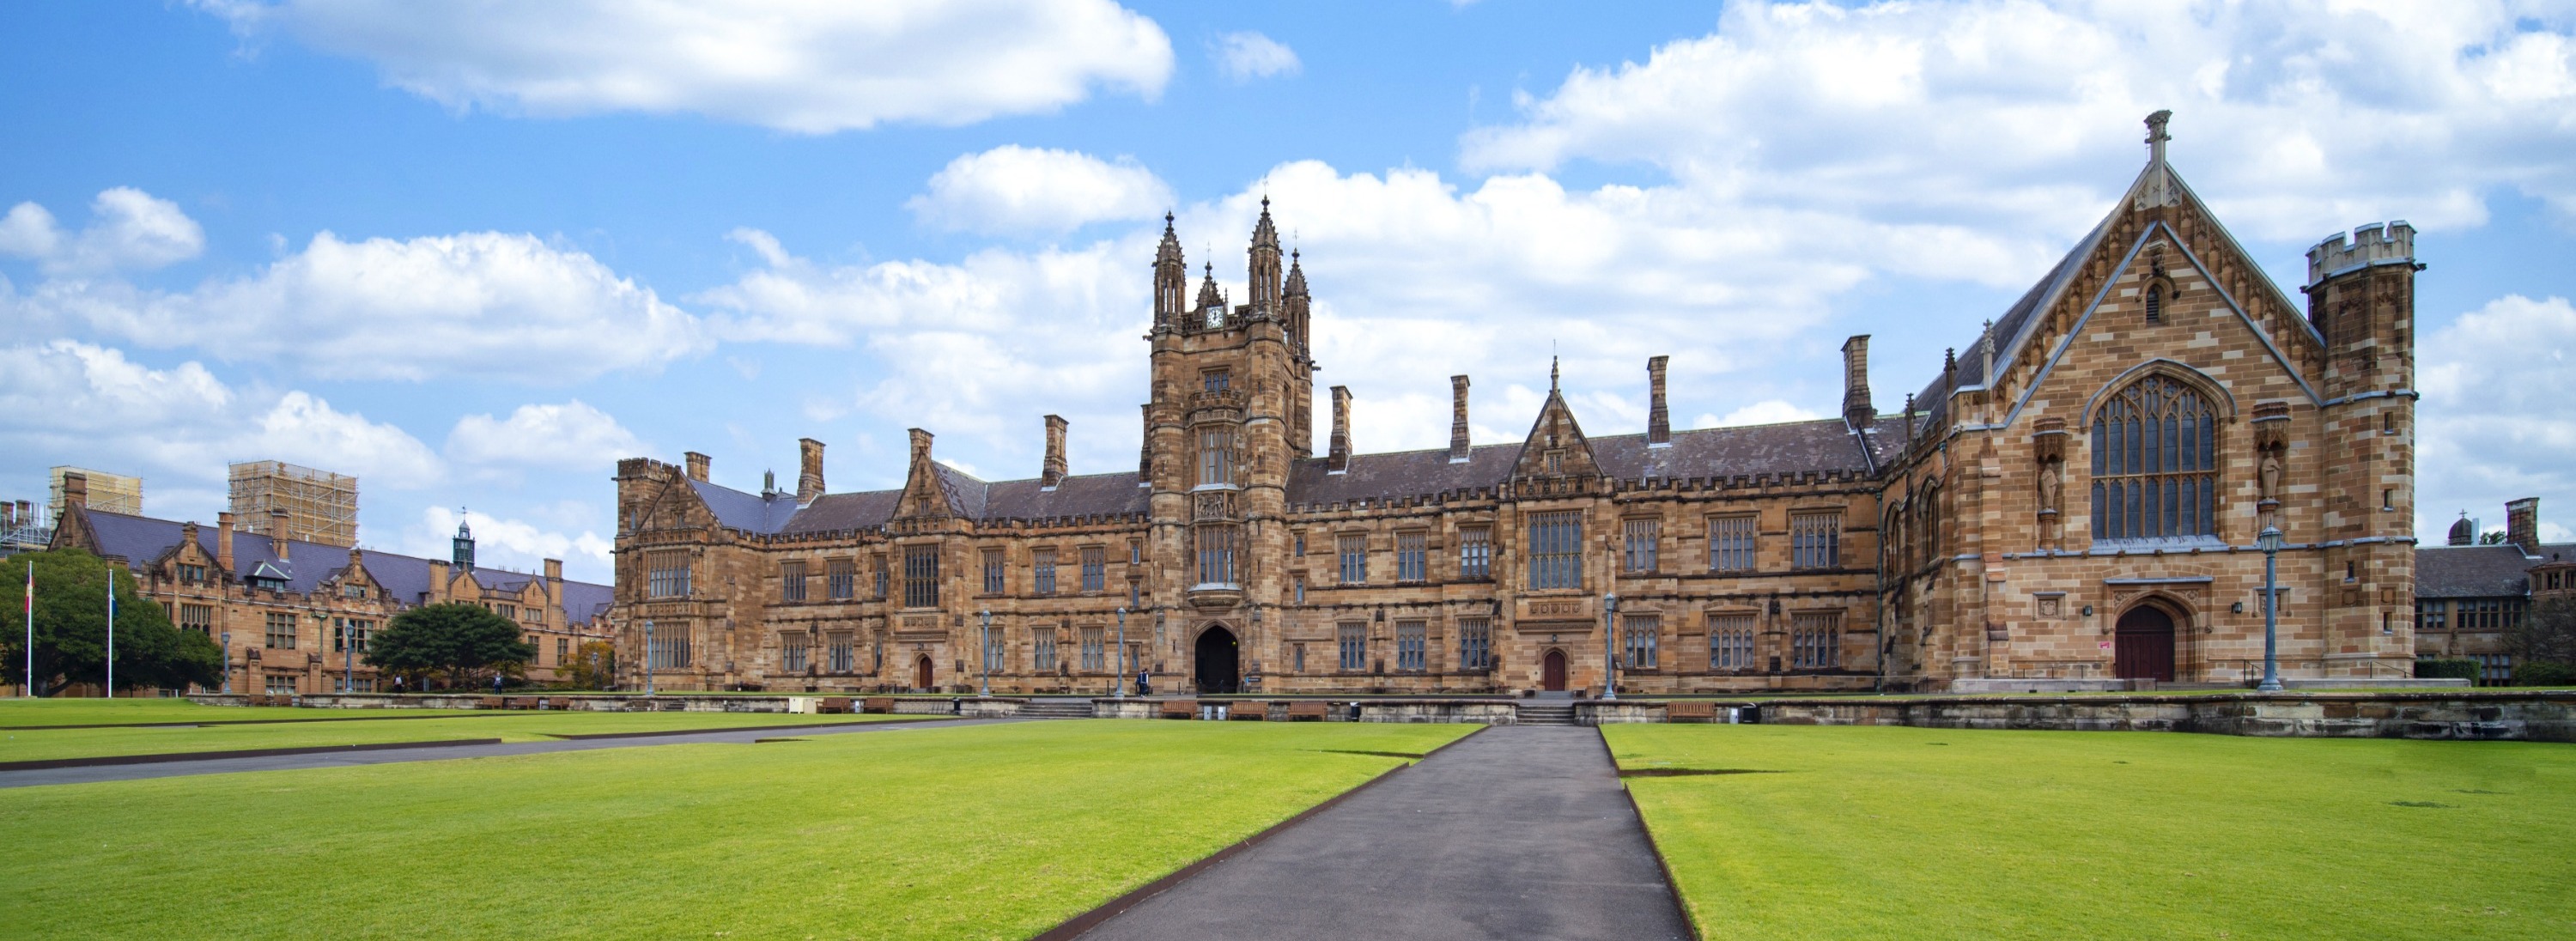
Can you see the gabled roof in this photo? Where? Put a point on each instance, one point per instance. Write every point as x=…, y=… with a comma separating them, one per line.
x=2011, y=332
x=141, y=539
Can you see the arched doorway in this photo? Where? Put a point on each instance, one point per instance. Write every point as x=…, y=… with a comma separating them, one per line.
x=2145, y=645
x=1216, y=661
x=1551, y=671
x=921, y=673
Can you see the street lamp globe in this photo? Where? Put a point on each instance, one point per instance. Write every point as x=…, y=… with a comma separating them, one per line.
x=2269, y=540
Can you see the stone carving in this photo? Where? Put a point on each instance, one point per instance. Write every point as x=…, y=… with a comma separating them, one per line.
x=2269, y=473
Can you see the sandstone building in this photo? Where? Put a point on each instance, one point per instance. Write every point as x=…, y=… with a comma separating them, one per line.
x=2469, y=596
x=300, y=613
x=2074, y=499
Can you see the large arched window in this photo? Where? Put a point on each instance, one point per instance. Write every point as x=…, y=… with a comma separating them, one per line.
x=2155, y=463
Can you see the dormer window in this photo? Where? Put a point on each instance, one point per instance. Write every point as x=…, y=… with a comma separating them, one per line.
x=353, y=590
x=192, y=573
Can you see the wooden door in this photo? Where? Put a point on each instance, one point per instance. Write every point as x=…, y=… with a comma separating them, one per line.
x=921, y=674
x=2144, y=648
x=1551, y=671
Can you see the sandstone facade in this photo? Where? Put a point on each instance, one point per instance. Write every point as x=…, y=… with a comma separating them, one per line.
x=1971, y=535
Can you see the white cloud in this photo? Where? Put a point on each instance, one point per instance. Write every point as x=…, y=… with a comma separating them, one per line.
x=2295, y=118
x=1767, y=412
x=509, y=544
x=1247, y=56
x=571, y=436
x=2493, y=424
x=90, y=404
x=130, y=229
x=1014, y=189
x=485, y=304
x=807, y=66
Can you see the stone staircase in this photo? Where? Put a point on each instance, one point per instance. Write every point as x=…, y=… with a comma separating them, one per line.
x=1057, y=707
x=1546, y=712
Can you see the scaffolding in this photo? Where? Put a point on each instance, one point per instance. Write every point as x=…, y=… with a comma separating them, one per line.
x=310, y=505
x=114, y=493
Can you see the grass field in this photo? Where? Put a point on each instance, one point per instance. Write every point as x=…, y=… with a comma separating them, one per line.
x=376, y=727
x=1919, y=833
x=21, y=712
x=995, y=831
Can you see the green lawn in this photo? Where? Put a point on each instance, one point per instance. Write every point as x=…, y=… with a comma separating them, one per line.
x=996, y=831
x=17, y=712
x=373, y=727
x=1923, y=833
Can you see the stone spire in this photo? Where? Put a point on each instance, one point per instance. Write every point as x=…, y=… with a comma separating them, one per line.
x=1263, y=271
x=1171, y=278
x=1209, y=296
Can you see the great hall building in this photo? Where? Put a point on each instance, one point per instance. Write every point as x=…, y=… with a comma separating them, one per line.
x=2075, y=497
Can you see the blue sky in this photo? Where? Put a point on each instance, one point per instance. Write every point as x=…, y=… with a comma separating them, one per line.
x=474, y=253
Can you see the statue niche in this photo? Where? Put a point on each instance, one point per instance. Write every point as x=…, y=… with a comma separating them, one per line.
x=2271, y=461
x=2048, y=448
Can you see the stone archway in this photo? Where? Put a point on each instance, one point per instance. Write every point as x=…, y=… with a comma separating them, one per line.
x=1552, y=671
x=2143, y=644
x=1216, y=664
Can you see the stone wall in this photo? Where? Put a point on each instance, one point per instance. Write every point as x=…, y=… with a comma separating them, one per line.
x=2545, y=716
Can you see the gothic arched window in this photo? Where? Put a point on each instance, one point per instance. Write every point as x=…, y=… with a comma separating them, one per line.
x=2155, y=463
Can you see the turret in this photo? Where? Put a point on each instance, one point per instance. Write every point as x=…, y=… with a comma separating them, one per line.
x=462, y=547
x=1263, y=267
x=1211, y=304
x=1171, y=279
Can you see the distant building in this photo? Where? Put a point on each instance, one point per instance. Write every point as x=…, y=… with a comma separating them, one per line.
x=299, y=612
x=275, y=498
x=115, y=493
x=2468, y=596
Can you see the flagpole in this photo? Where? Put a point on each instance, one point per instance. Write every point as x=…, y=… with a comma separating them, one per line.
x=31, y=629
x=111, y=633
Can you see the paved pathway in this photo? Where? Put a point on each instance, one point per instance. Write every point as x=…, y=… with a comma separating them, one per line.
x=9, y=779
x=1517, y=832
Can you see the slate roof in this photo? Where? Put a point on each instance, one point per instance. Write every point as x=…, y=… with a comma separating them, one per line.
x=141, y=539
x=1817, y=446
x=2473, y=571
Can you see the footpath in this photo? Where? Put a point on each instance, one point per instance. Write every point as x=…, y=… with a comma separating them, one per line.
x=1515, y=832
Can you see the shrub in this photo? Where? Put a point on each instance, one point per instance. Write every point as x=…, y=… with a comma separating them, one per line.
x=2446, y=669
x=2544, y=673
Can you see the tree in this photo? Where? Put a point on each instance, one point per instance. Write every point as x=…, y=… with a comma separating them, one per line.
x=2491, y=539
x=71, y=628
x=2545, y=642
x=460, y=641
x=593, y=665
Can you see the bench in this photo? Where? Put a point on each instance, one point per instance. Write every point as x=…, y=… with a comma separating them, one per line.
x=489, y=702
x=1249, y=712
x=833, y=705
x=879, y=704
x=1690, y=710
x=521, y=702
x=559, y=703
x=1180, y=709
x=1309, y=710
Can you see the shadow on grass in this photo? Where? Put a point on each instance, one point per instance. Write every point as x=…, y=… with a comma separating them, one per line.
x=1690, y=772
x=1381, y=754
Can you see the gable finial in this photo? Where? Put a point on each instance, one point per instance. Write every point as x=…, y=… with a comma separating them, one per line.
x=1551, y=372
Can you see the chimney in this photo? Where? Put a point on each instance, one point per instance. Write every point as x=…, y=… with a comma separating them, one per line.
x=554, y=582
x=1659, y=420
x=224, y=541
x=75, y=490
x=26, y=513
x=277, y=533
x=1856, y=405
x=697, y=466
x=2156, y=137
x=2522, y=524
x=1339, y=459
x=809, y=470
x=437, y=583
x=1457, y=419
x=1051, y=473
x=920, y=444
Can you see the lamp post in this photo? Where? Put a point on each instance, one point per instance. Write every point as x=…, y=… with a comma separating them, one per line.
x=228, y=663
x=1118, y=680
x=2270, y=541
x=988, y=652
x=1609, y=648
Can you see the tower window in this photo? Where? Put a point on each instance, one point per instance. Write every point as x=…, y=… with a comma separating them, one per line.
x=2156, y=304
x=1216, y=456
x=1215, y=381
